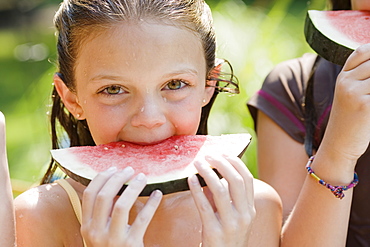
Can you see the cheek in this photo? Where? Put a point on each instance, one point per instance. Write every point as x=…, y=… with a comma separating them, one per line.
x=104, y=123
x=186, y=118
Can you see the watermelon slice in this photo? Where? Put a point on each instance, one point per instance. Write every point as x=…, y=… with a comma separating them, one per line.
x=166, y=165
x=334, y=35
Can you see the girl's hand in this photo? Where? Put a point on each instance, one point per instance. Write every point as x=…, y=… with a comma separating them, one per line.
x=348, y=131
x=105, y=223
x=227, y=213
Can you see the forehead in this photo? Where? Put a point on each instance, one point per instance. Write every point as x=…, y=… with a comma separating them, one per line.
x=140, y=47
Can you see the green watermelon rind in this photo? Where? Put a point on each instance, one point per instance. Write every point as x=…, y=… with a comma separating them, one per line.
x=166, y=187
x=325, y=47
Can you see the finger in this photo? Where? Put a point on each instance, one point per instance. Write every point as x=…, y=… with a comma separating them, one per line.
x=362, y=71
x=247, y=176
x=124, y=204
x=207, y=192
x=359, y=56
x=142, y=220
x=220, y=189
x=235, y=181
x=214, y=186
x=204, y=207
x=91, y=191
x=105, y=197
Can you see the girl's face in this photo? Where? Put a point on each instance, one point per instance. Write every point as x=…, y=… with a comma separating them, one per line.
x=140, y=83
x=360, y=4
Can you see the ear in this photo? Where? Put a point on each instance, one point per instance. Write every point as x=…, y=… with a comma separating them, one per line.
x=208, y=93
x=69, y=98
x=210, y=84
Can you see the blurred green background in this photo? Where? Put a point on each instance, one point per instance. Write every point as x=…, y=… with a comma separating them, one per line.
x=254, y=35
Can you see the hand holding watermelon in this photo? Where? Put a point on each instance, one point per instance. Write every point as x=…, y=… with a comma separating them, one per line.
x=228, y=208
x=105, y=222
x=228, y=214
x=348, y=131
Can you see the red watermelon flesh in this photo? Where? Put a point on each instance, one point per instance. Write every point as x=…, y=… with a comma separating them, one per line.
x=335, y=34
x=354, y=25
x=170, y=160
x=347, y=27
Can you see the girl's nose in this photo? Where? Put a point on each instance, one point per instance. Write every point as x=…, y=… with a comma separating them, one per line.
x=150, y=114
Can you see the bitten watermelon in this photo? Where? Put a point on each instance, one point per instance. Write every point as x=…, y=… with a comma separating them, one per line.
x=335, y=34
x=166, y=164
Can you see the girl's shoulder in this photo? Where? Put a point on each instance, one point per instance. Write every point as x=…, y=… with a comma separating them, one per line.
x=266, y=196
x=268, y=218
x=42, y=214
x=46, y=198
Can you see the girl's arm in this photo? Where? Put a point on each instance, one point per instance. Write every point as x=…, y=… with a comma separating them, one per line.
x=318, y=218
x=281, y=161
x=236, y=210
x=7, y=227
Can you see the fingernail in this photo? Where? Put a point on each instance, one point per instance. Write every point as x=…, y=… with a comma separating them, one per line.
x=226, y=156
x=204, y=165
x=112, y=169
x=156, y=194
x=209, y=158
x=140, y=177
x=128, y=169
x=194, y=179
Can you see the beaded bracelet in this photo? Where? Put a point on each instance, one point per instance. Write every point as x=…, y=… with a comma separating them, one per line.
x=336, y=190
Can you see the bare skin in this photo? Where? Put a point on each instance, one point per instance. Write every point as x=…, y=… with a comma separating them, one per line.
x=146, y=108
x=335, y=161
x=7, y=227
x=174, y=222
x=360, y=5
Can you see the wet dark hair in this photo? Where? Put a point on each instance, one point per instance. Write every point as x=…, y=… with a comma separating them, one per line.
x=77, y=20
x=310, y=114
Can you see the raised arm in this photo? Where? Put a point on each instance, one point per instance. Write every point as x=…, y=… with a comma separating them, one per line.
x=315, y=218
x=319, y=218
x=7, y=228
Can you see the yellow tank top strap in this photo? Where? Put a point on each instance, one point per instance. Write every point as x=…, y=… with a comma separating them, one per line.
x=74, y=199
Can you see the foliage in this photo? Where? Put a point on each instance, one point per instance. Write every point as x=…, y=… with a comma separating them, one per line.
x=252, y=37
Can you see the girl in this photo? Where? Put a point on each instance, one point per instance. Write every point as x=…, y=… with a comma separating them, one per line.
x=7, y=227
x=293, y=107
x=141, y=71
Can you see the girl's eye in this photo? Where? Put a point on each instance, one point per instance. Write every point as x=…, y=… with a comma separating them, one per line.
x=111, y=90
x=175, y=84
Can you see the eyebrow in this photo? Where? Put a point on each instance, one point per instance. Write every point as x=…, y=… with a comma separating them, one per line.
x=183, y=71
x=100, y=77
x=106, y=77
